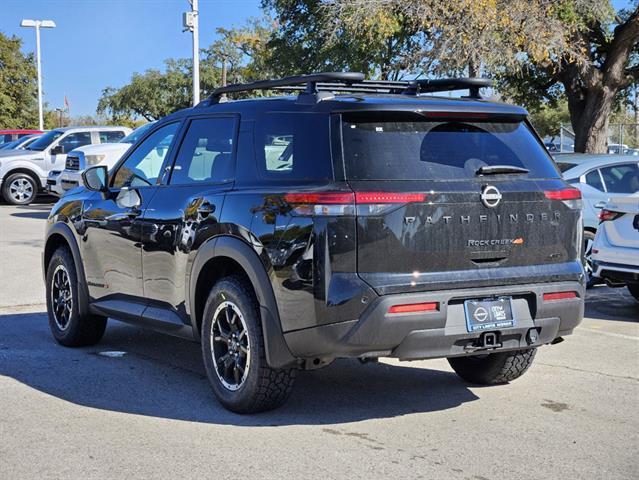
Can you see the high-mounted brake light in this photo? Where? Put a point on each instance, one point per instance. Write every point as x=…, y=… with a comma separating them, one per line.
x=607, y=215
x=552, y=297
x=564, y=194
x=415, y=307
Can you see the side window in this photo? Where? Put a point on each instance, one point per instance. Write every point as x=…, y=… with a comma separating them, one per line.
x=143, y=166
x=594, y=180
x=206, y=153
x=294, y=146
x=621, y=178
x=111, y=136
x=75, y=140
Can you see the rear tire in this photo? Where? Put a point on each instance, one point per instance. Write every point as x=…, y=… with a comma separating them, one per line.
x=19, y=189
x=495, y=368
x=633, y=288
x=68, y=326
x=589, y=240
x=234, y=354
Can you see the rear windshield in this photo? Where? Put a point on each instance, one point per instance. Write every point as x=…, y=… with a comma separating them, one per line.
x=388, y=146
x=563, y=166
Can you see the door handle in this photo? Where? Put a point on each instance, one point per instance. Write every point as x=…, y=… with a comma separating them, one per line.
x=600, y=204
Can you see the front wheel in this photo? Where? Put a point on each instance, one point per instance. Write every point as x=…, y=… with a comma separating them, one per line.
x=494, y=368
x=589, y=241
x=234, y=353
x=19, y=189
x=68, y=326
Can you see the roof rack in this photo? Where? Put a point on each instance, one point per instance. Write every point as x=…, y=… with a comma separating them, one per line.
x=352, y=82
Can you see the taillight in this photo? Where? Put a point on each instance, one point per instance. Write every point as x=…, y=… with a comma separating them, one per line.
x=415, y=308
x=345, y=203
x=555, y=296
x=607, y=215
x=564, y=194
x=571, y=197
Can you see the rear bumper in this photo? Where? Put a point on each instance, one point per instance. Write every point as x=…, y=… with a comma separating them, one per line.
x=442, y=333
x=615, y=272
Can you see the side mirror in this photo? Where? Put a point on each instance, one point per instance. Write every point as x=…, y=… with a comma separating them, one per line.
x=57, y=150
x=95, y=178
x=128, y=198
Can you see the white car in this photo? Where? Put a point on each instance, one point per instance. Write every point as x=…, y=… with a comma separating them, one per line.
x=23, y=173
x=84, y=157
x=615, y=252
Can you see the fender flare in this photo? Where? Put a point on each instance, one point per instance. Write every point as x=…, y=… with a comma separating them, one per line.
x=23, y=165
x=278, y=354
x=65, y=231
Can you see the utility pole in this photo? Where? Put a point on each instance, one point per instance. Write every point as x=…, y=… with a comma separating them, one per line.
x=191, y=22
x=37, y=24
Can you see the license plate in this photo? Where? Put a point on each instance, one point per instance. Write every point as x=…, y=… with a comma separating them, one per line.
x=489, y=314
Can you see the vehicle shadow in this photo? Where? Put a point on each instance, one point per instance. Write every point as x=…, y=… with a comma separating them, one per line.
x=164, y=377
x=605, y=303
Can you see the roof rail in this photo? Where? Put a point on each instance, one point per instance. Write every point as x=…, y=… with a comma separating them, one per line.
x=353, y=82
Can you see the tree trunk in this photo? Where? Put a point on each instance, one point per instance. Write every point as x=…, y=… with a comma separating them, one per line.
x=589, y=117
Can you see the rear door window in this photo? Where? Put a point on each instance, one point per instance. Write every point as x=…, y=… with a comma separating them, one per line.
x=112, y=136
x=400, y=146
x=206, y=153
x=621, y=178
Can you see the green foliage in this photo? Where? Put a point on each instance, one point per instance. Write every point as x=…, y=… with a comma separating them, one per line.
x=548, y=119
x=18, y=84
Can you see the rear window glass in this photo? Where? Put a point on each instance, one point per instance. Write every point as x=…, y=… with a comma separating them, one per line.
x=563, y=167
x=294, y=146
x=409, y=147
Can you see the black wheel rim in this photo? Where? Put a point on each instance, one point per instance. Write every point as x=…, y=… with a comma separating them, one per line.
x=61, y=297
x=230, y=346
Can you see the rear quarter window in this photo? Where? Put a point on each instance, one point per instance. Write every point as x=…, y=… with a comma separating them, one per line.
x=396, y=146
x=293, y=146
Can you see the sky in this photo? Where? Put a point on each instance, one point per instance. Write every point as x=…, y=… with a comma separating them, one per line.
x=101, y=43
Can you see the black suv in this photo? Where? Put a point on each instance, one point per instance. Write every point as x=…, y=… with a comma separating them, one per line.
x=353, y=218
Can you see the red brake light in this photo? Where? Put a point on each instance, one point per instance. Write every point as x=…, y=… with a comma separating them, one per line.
x=320, y=198
x=606, y=215
x=386, y=197
x=415, y=307
x=551, y=297
x=565, y=194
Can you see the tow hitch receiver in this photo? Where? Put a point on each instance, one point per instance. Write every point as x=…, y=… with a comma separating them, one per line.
x=485, y=341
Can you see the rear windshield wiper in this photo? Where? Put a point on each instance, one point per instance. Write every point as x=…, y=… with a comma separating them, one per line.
x=499, y=169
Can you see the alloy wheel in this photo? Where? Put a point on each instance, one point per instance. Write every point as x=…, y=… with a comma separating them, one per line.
x=588, y=243
x=61, y=297
x=230, y=346
x=21, y=189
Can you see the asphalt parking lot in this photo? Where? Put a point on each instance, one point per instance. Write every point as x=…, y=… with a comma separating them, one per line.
x=139, y=405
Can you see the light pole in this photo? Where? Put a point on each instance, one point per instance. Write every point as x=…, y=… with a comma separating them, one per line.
x=191, y=22
x=37, y=24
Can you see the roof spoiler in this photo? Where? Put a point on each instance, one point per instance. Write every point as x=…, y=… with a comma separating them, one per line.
x=351, y=82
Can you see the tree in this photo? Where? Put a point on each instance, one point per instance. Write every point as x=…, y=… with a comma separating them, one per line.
x=18, y=108
x=548, y=119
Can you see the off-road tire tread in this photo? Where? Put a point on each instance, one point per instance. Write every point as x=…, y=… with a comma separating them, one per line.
x=274, y=385
x=88, y=329
x=497, y=368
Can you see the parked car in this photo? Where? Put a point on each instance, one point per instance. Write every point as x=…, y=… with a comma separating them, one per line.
x=615, y=253
x=107, y=154
x=11, y=135
x=283, y=233
x=20, y=144
x=598, y=176
x=23, y=173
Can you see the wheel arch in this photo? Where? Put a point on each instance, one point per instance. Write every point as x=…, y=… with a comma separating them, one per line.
x=27, y=171
x=60, y=235
x=226, y=255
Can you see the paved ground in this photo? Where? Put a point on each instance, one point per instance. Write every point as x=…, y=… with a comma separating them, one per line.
x=149, y=413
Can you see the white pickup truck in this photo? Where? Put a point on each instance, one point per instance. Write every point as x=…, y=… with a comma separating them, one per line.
x=23, y=173
x=81, y=158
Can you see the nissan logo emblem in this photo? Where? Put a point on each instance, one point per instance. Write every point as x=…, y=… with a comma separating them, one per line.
x=490, y=196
